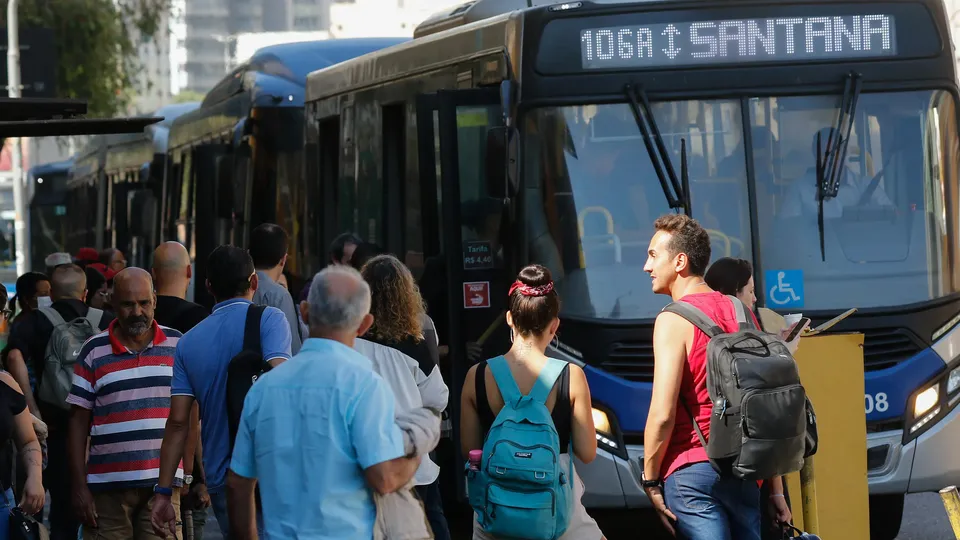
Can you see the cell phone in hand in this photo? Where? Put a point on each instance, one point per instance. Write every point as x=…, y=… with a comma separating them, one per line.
x=797, y=328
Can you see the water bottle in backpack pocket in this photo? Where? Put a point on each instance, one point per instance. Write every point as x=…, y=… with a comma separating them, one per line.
x=522, y=490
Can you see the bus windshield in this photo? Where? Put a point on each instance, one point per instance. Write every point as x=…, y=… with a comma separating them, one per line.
x=592, y=196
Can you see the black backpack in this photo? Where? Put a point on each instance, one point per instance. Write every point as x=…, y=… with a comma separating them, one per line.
x=244, y=369
x=762, y=424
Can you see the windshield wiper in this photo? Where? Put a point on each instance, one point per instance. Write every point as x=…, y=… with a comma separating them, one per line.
x=676, y=191
x=830, y=161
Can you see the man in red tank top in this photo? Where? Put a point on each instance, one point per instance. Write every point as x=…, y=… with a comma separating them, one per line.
x=688, y=494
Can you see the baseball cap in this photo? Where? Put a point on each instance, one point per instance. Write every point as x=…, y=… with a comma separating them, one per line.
x=56, y=259
x=88, y=254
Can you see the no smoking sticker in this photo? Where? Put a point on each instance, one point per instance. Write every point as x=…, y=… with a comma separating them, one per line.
x=476, y=294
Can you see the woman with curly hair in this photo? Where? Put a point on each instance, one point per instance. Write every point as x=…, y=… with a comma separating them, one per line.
x=407, y=361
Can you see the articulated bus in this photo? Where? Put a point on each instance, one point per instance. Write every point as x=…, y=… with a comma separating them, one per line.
x=504, y=134
x=237, y=160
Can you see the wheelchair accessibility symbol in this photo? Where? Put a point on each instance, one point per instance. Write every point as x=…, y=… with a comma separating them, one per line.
x=785, y=288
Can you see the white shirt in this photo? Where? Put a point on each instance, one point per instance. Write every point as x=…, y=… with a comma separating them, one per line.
x=412, y=389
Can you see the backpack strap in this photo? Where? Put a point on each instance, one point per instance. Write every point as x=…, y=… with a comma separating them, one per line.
x=695, y=316
x=52, y=315
x=95, y=315
x=504, y=379
x=251, y=329
x=546, y=379
x=744, y=321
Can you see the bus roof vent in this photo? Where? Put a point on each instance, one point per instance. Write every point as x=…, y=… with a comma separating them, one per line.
x=469, y=12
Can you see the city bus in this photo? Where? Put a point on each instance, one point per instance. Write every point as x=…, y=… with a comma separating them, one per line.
x=113, y=186
x=505, y=134
x=236, y=161
x=134, y=167
x=48, y=208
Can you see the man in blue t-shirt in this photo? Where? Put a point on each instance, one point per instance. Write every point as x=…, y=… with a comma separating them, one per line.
x=200, y=373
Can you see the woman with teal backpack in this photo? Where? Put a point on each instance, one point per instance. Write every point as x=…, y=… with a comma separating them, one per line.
x=525, y=414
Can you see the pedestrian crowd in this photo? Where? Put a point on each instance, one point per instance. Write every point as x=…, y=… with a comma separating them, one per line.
x=142, y=413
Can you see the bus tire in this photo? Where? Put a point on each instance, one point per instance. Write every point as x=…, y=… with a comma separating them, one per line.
x=886, y=514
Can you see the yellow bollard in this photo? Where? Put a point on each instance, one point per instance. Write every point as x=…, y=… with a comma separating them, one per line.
x=808, y=495
x=951, y=503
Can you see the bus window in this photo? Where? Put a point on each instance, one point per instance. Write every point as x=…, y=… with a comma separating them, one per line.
x=600, y=196
x=882, y=231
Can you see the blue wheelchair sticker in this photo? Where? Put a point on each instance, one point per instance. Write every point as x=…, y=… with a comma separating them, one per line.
x=784, y=288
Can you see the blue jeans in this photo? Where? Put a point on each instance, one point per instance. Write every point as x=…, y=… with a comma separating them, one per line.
x=5, y=507
x=709, y=507
x=218, y=502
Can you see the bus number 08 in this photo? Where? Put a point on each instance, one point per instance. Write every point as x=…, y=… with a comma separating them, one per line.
x=877, y=402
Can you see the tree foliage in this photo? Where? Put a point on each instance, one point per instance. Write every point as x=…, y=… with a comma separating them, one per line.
x=97, y=56
x=188, y=96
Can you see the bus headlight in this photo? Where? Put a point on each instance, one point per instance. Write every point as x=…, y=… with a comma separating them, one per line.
x=932, y=403
x=925, y=401
x=601, y=422
x=608, y=435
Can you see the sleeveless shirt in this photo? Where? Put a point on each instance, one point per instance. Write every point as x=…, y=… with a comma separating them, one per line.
x=684, y=447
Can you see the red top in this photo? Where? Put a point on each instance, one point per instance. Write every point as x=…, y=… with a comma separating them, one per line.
x=684, y=447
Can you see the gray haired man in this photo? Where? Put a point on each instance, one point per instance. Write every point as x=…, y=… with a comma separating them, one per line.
x=321, y=418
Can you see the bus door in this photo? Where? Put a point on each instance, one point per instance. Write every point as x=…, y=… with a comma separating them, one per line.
x=466, y=276
x=205, y=230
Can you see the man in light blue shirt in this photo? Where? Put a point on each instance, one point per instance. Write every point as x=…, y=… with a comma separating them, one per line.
x=318, y=432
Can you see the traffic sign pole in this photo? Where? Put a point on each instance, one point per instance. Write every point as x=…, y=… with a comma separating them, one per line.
x=22, y=232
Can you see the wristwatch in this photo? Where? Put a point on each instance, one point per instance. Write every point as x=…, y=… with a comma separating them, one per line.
x=188, y=479
x=644, y=483
x=163, y=490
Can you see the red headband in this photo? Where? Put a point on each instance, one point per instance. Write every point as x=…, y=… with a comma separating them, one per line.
x=527, y=290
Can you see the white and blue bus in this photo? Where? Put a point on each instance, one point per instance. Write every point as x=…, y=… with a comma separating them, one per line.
x=505, y=134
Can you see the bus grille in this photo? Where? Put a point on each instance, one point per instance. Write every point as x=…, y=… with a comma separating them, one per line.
x=886, y=347
x=632, y=361
x=883, y=348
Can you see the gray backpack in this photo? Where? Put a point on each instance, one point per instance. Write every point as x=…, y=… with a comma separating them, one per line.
x=762, y=424
x=62, y=352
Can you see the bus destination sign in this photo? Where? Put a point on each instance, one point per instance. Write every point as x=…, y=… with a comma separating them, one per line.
x=781, y=39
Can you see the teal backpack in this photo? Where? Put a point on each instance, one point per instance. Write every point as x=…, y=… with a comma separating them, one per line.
x=521, y=490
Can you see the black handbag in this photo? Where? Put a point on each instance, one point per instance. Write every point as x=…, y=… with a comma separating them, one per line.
x=22, y=526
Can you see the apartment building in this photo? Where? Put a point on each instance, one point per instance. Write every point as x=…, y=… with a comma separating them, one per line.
x=212, y=27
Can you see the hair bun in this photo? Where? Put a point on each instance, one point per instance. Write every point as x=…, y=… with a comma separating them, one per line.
x=535, y=275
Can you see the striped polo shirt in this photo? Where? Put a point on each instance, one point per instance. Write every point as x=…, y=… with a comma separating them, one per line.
x=129, y=396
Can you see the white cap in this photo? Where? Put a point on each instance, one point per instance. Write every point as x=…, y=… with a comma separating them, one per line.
x=56, y=259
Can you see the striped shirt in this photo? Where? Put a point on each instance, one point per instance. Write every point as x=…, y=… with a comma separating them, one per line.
x=129, y=396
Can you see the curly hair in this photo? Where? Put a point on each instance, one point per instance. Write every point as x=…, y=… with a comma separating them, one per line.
x=396, y=304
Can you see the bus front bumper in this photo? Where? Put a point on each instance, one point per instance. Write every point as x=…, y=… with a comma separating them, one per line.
x=928, y=463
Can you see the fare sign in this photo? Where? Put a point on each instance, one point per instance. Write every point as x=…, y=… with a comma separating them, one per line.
x=738, y=41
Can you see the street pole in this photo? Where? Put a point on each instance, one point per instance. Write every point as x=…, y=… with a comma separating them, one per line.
x=21, y=231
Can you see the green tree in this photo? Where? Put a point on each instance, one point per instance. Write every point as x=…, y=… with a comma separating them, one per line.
x=96, y=43
x=186, y=96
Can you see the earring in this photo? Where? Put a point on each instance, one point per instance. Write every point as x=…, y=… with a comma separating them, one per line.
x=511, y=335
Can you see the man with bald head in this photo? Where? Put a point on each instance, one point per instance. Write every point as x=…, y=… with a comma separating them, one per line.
x=361, y=446
x=171, y=277
x=121, y=400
